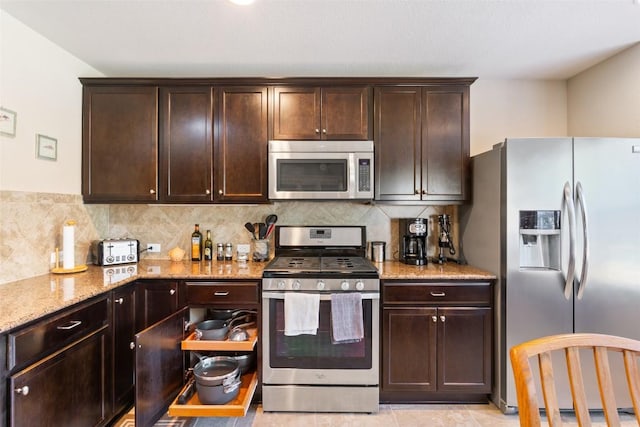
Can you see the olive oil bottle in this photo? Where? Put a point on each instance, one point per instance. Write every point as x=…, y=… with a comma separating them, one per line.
x=196, y=244
x=208, y=247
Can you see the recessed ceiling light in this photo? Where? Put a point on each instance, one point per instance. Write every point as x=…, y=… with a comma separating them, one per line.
x=242, y=2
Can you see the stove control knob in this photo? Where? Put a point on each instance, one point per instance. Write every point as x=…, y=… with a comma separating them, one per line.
x=281, y=284
x=359, y=285
x=296, y=285
x=320, y=285
x=344, y=286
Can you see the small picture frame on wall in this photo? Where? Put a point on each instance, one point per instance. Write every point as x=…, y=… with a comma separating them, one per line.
x=46, y=147
x=7, y=122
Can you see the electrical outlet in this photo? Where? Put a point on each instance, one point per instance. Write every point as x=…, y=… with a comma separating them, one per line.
x=53, y=257
x=153, y=247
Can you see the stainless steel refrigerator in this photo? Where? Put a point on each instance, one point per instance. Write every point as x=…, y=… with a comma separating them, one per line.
x=558, y=221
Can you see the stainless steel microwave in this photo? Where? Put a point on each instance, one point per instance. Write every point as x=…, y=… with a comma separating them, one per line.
x=320, y=170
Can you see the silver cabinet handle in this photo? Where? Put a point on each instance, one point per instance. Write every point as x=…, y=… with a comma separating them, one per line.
x=23, y=390
x=442, y=318
x=220, y=192
x=72, y=324
x=207, y=191
x=434, y=319
x=120, y=300
x=221, y=293
x=152, y=191
x=132, y=345
x=317, y=130
x=437, y=294
x=172, y=292
x=568, y=202
x=324, y=131
x=582, y=281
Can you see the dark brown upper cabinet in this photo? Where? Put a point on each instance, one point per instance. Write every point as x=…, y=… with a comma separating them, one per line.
x=120, y=144
x=186, y=141
x=240, y=155
x=421, y=143
x=312, y=113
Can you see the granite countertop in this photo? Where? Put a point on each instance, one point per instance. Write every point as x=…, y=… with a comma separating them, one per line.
x=26, y=300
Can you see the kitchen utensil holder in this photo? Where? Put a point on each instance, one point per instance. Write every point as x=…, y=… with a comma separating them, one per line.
x=260, y=250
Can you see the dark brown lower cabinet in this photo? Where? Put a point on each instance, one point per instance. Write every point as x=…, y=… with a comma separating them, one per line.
x=66, y=389
x=436, y=342
x=157, y=299
x=160, y=367
x=124, y=330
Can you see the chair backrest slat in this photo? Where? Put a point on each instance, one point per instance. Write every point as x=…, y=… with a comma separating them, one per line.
x=633, y=379
x=577, y=387
x=572, y=344
x=607, y=396
x=549, y=389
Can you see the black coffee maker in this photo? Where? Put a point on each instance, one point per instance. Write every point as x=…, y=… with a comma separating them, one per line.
x=413, y=246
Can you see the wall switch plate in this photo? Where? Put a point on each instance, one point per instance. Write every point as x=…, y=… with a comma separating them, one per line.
x=153, y=247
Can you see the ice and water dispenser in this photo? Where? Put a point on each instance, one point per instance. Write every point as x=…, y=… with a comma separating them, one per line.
x=540, y=239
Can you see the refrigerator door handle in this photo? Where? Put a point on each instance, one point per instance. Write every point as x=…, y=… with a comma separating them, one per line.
x=568, y=203
x=581, y=203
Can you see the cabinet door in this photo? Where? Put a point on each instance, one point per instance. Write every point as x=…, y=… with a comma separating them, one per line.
x=124, y=330
x=345, y=113
x=296, y=113
x=409, y=349
x=67, y=389
x=464, y=349
x=186, y=141
x=120, y=144
x=157, y=299
x=241, y=145
x=159, y=368
x=397, y=143
x=445, y=139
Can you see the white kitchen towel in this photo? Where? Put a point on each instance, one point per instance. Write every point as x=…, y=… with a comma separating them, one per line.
x=301, y=313
x=347, y=324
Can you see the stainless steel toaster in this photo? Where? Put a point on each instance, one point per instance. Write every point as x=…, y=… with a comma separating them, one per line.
x=114, y=251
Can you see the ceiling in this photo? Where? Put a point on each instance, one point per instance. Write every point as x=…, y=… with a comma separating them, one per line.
x=502, y=39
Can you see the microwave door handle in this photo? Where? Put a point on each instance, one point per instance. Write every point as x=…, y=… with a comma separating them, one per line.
x=568, y=204
x=582, y=204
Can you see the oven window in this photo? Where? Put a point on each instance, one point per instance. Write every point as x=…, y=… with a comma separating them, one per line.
x=317, y=351
x=312, y=175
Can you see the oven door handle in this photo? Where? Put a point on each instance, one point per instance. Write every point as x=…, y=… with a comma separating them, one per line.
x=323, y=297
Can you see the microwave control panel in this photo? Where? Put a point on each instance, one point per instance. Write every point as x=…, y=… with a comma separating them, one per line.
x=364, y=175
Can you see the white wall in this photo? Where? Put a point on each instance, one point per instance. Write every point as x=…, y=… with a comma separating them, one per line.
x=39, y=81
x=516, y=108
x=605, y=99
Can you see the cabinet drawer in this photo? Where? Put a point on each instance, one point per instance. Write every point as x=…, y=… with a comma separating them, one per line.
x=200, y=293
x=45, y=337
x=396, y=293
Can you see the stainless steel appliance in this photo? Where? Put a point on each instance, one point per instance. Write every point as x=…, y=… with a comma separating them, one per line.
x=310, y=372
x=556, y=220
x=413, y=246
x=114, y=251
x=327, y=170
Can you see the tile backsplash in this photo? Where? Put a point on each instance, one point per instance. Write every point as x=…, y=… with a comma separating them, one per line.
x=31, y=225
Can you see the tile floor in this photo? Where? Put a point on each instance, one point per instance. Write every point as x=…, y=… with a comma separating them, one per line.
x=433, y=415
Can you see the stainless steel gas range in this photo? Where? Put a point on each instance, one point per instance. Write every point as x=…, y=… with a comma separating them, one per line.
x=320, y=333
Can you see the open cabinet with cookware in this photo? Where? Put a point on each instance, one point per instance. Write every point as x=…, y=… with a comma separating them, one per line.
x=202, y=365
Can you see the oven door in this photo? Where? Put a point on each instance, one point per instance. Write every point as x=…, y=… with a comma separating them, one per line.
x=314, y=359
x=328, y=176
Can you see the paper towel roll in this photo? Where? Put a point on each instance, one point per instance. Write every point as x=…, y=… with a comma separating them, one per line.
x=68, y=246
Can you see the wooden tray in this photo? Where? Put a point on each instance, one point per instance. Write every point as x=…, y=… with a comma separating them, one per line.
x=191, y=343
x=238, y=407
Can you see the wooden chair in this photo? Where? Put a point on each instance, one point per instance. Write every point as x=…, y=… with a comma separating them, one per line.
x=570, y=344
